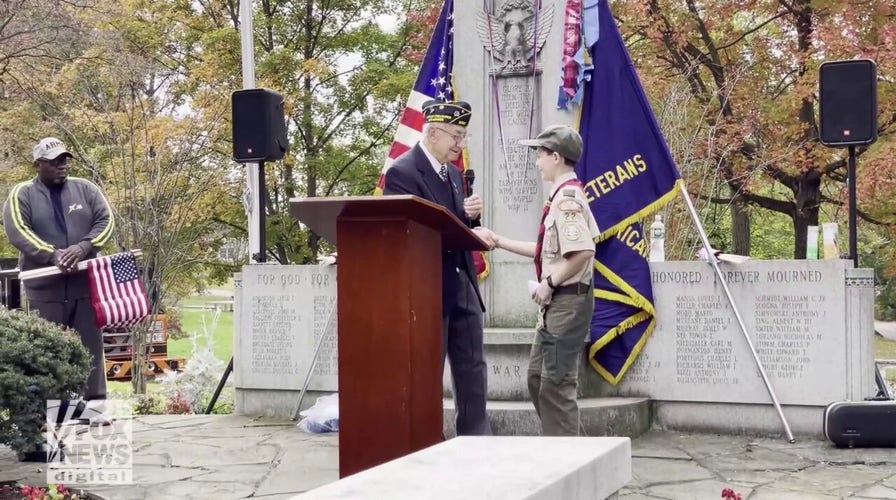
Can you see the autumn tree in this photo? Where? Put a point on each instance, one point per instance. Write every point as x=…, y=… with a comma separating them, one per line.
x=421, y=23
x=124, y=106
x=751, y=67
x=25, y=33
x=344, y=76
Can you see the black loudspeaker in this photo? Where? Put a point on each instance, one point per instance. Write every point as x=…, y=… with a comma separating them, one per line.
x=848, y=102
x=259, y=126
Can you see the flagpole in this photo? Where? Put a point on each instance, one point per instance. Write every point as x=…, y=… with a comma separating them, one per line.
x=715, y=264
x=44, y=272
x=325, y=334
x=252, y=199
x=253, y=196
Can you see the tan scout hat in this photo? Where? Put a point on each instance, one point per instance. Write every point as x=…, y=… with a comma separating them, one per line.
x=561, y=139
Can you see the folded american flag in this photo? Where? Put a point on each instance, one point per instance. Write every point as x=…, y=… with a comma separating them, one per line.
x=116, y=290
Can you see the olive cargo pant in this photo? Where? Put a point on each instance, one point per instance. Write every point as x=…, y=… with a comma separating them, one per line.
x=554, y=361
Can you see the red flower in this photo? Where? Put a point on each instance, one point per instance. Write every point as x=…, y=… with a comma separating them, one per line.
x=730, y=494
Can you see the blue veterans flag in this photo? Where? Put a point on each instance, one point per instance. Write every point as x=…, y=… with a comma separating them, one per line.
x=628, y=174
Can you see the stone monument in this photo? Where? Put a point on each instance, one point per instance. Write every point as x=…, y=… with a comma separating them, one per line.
x=280, y=312
x=508, y=67
x=811, y=322
x=510, y=73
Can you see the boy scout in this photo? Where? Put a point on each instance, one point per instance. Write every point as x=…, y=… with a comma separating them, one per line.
x=563, y=255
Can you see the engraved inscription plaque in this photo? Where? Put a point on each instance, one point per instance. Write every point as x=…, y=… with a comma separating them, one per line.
x=284, y=311
x=796, y=319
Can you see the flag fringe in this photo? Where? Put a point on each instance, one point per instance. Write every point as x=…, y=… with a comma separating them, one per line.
x=488, y=267
x=641, y=214
x=637, y=300
x=630, y=297
x=636, y=350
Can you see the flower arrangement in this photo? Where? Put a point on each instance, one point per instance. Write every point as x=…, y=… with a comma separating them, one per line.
x=189, y=391
x=729, y=494
x=50, y=492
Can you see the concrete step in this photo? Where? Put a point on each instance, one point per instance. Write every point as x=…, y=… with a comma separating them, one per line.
x=621, y=417
x=521, y=336
x=567, y=468
x=507, y=359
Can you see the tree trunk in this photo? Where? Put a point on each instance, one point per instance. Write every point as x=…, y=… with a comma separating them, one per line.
x=740, y=226
x=806, y=201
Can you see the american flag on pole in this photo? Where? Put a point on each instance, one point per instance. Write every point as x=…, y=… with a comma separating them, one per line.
x=433, y=82
x=116, y=290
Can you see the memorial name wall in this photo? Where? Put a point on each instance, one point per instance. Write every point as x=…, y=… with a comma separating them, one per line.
x=796, y=318
x=795, y=313
x=284, y=310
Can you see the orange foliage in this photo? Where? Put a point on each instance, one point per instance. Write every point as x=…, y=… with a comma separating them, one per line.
x=749, y=69
x=420, y=25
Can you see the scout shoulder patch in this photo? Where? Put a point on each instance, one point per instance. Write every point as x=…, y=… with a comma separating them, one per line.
x=572, y=232
x=572, y=204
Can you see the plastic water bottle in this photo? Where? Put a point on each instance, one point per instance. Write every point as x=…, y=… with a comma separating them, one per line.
x=657, y=239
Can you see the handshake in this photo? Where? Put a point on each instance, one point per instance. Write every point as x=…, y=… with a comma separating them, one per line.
x=489, y=237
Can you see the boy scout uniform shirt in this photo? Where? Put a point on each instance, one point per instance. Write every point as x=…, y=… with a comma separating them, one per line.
x=569, y=227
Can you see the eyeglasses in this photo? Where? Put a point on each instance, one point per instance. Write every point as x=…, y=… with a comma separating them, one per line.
x=57, y=162
x=458, y=138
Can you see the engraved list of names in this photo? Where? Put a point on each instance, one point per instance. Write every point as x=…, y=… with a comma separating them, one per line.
x=285, y=311
x=795, y=317
x=703, y=353
x=273, y=338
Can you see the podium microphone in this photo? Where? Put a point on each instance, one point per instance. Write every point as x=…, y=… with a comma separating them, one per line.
x=469, y=177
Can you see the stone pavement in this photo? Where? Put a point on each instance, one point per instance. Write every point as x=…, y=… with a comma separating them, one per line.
x=211, y=457
x=230, y=457
x=886, y=328
x=671, y=465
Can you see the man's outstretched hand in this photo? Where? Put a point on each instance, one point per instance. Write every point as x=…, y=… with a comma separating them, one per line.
x=487, y=236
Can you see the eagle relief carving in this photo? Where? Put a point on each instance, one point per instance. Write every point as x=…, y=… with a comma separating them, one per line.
x=514, y=35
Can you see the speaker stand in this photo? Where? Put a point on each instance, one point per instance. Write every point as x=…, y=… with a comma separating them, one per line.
x=260, y=258
x=853, y=222
x=882, y=392
x=211, y=403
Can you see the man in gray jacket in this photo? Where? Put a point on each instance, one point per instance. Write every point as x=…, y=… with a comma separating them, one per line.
x=58, y=220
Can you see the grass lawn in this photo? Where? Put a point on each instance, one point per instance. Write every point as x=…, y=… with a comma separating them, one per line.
x=195, y=321
x=884, y=348
x=192, y=324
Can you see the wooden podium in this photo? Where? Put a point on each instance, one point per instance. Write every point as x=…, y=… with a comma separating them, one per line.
x=389, y=296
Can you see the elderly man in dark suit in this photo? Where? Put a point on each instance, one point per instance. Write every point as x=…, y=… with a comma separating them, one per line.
x=426, y=171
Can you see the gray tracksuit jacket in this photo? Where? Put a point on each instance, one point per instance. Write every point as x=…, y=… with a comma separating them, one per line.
x=31, y=226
